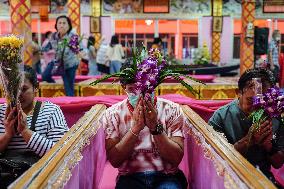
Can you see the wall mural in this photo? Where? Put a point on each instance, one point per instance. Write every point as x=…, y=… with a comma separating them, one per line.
x=122, y=7
x=234, y=8
x=60, y=7
x=191, y=7
x=178, y=7
x=4, y=10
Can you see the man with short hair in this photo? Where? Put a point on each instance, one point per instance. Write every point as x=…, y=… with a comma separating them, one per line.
x=144, y=140
x=232, y=120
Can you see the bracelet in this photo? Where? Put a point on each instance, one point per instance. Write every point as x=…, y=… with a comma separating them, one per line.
x=133, y=132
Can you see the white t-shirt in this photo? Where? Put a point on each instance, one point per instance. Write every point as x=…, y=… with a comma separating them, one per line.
x=115, y=53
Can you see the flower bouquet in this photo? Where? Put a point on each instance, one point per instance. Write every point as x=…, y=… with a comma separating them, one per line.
x=267, y=105
x=11, y=67
x=147, y=70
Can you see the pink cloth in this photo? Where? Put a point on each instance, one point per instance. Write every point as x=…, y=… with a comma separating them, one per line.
x=117, y=121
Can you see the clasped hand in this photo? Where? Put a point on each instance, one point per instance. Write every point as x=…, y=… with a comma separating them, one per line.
x=14, y=116
x=144, y=113
x=263, y=136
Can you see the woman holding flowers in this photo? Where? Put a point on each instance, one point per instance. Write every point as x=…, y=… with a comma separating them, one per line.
x=19, y=141
x=234, y=121
x=67, y=47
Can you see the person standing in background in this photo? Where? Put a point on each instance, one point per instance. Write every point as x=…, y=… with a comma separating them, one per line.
x=36, y=54
x=71, y=61
x=92, y=51
x=101, y=59
x=49, y=55
x=115, y=54
x=273, y=54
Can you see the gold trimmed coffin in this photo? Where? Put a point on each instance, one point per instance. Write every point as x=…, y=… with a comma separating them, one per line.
x=55, y=169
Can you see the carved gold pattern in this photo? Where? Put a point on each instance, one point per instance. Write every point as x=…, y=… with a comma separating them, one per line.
x=247, y=44
x=21, y=22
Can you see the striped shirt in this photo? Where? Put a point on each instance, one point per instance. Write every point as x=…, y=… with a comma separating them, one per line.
x=49, y=128
x=117, y=120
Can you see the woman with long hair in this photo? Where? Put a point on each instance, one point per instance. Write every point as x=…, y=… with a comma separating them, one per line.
x=115, y=54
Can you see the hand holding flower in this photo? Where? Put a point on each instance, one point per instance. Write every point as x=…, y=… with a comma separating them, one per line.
x=9, y=121
x=138, y=117
x=258, y=137
x=22, y=119
x=150, y=112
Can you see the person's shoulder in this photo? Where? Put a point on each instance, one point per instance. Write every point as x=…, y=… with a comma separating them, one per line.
x=117, y=107
x=3, y=108
x=231, y=106
x=164, y=102
x=49, y=106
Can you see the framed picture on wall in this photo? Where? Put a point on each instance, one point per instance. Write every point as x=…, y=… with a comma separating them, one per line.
x=95, y=24
x=217, y=24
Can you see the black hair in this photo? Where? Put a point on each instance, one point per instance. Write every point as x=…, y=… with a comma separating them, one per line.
x=47, y=34
x=68, y=21
x=30, y=74
x=265, y=75
x=157, y=40
x=114, y=40
x=91, y=41
x=127, y=64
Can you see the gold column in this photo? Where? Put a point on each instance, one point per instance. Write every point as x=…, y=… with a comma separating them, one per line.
x=216, y=36
x=96, y=12
x=247, y=36
x=74, y=13
x=20, y=12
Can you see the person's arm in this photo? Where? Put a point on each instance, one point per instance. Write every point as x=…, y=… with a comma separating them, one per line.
x=93, y=51
x=9, y=121
x=170, y=148
x=120, y=150
x=55, y=130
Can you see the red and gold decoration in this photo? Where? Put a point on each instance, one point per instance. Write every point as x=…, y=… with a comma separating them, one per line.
x=21, y=25
x=216, y=34
x=74, y=13
x=247, y=36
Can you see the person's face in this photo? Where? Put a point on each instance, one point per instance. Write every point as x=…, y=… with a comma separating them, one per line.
x=130, y=88
x=247, y=94
x=27, y=94
x=62, y=26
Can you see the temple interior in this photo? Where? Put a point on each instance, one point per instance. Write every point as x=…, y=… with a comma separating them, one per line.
x=212, y=41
